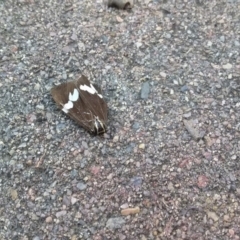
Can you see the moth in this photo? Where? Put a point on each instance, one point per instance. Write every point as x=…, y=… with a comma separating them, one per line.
x=83, y=102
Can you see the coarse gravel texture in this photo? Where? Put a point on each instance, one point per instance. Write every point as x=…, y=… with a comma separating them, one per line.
x=170, y=73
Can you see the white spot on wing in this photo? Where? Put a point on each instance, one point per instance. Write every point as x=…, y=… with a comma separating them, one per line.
x=65, y=110
x=93, y=87
x=74, y=97
x=95, y=91
x=67, y=106
x=90, y=89
x=100, y=95
x=87, y=88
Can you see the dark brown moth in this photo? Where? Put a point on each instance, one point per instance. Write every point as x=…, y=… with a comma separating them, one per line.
x=84, y=103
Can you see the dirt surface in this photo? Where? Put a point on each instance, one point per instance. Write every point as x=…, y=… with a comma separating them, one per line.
x=169, y=165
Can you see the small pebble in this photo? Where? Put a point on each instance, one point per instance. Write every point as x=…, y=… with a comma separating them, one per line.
x=116, y=139
x=145, y=90
x=40, y=106
x=129, y=211
x=61, y=213
x=124, y=206
x=187, y=115
x=136, y=125
x=73, y=200
x=227, y=66
x=115, y=223
x=81, y=186
x=236, y=43
x=163, y=74
x=213, y=216
x=222, y=38
x=14, y=194
x=37, y=87
x=48, y=219
x=184, y=88
x=141, y=146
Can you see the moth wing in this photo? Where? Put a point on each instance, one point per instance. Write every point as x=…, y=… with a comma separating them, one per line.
x=96, y=104
x=61, y=92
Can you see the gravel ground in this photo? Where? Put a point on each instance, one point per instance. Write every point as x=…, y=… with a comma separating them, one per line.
x=168, y=168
